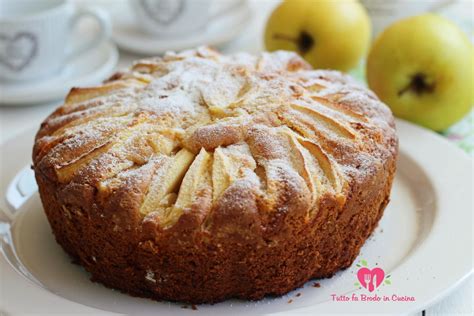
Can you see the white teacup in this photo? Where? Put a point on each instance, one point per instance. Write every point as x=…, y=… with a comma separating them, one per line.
x=385, y=12
x=176, y=17
x=36, y=36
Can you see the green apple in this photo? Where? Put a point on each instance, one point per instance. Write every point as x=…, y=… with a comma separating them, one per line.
x=332, y=34
x=423, y=68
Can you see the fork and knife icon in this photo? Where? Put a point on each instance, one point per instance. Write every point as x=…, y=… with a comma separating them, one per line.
x=370, y=282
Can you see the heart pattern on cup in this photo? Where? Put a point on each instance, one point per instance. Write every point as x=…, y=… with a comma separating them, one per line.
x=163, y=11
x=370, y=279
x=17, y=51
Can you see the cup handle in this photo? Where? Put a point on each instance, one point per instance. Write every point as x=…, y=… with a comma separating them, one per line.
x=20, y=189
x=102, y=18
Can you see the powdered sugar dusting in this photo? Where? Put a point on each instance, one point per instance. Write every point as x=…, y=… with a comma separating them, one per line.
x=238, y=103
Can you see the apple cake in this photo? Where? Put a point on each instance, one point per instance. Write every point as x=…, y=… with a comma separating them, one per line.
x=198, y=177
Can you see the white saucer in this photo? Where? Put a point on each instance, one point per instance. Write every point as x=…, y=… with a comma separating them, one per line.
x=88, y=69
x=220, y=31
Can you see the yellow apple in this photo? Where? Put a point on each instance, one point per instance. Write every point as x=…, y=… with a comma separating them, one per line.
x=422, y=67
x=333, y=34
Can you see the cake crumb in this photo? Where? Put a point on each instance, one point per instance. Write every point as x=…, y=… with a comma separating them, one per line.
x=298, y=294
x=184, y=306
x=316, y=284
x=194, y=307
x=150, y=276
x=290, y=301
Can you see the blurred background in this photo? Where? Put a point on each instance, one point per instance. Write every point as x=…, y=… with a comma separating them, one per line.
x=105, y=35
x=416, y=55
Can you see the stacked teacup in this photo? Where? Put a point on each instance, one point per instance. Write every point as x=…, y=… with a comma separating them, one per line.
x=36, y=37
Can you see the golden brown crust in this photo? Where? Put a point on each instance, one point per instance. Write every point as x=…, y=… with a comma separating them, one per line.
x=199, y=177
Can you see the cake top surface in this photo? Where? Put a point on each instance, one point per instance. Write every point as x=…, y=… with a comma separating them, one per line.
x=207, y=129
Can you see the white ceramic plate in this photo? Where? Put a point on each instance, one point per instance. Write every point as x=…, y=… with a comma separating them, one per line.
x=423, y=241
x=88, y=69
x=220, y=31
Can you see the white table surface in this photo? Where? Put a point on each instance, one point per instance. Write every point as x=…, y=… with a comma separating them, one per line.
x=15, y=120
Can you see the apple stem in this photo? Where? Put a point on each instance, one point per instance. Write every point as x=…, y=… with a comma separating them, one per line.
x=285, y=37
x=418, y=84
x=304, y=41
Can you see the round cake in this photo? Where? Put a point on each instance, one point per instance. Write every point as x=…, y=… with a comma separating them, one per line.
x=198, y=177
